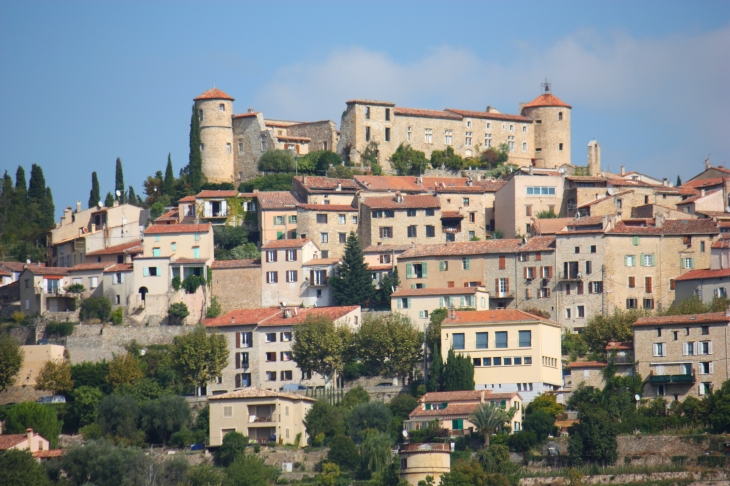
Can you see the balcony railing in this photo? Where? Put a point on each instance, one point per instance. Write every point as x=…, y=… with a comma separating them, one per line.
x=575, y=276
x=664, y=379
x=424, y=447
x=260, y=419
x=451, y=229
x=503, y=295
x=623, y=360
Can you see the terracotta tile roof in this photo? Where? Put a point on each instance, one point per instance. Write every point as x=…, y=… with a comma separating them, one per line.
x=188, y=260
x=113, y=250
x=480, y=187
x=692, y=199
x=587, y=364
x=294, y=243
x=670, y=227
x=379, y=268
x=321, y=261
x=537, y=243
x=702, y=274
x=91, y=266
x=496, y=315
x=627, y=182
x=327, y=207
x=619, y=346
x=720, y=215
x=213, y=94
x=248, y=263
x=722, y=243
x=120, y=267
x=434, y=292
x=389, y=183
x=247, y=115
x=386, y=248
x=451, y=215
x=277, y=200
x=450, y=396
x=490, y=116
x=36, y=270
x=585, y=221
x=314, y=183
x=273, y=316
x=48, y=453
x=546, y=99
x=549, y=226
x=157, y=229
x=260, y=393
x=688, y=319
x=5, y=273
x=187, y=199
x=16, y=266
x=171, y=215
x=409, y=202
x=211, y=193
x=370, y=102
x=426, y=113
x=603, y=198
x=703, y=183
x=586, y=179
x=460, y=409
x=10, y=440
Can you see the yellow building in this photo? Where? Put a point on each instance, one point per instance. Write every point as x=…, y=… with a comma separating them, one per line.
x=420, y=460
x=512, y=351
x=262, y=415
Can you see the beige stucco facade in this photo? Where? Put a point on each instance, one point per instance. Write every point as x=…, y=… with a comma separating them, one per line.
x=523, y=197
x=34, y=357
x=420, y=460
x=418, y=304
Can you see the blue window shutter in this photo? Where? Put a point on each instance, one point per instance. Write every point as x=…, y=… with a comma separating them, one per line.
x=441, y=266
x=159, y=271
x=468, y=263
x=424, y=268
x=145, y=272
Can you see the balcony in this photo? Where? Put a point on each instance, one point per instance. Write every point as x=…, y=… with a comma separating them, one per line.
x=503, y=295
x=451, y=229
x=570, y=276
x=425, y=447
x=623, y=360
x=665, y=379
x=257, y=419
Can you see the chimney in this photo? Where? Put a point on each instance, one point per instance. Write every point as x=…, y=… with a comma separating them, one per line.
x=339, y=186
x=233, y=320
x=116, y=203
x=702, y=193
x=452, y=313
x=29, y=433
x=1, y=427
x=659, y=220
x=304, y=180
x=251, y=110
x=530, y=170
x=623, y=170
x=664, y=182
x=727, y=314
x=707, y=164
x=78, y=206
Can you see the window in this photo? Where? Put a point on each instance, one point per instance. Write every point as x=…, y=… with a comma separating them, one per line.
x=580, y=312
x=560, y=116
x=412, y=231
x=705, y=330
x=647, y=285
x=228, y=148
x=324, y=237
x=524, y=128
x=647, y=260
x=228, y=411
x=94, y=282
x=487, y=140
x=321, y=219
x=271, y=376
x=511, y=143
x=354, y=220
x=477, y=362
x=387, y=134
x=278, y=220
x=286, y=375
x=629, y=260
x=389, y=214
x=196, y=252
x=511, y=127
x=593, y=248
x=706, y=368
x=448, y=139
x=465, y=201
x=271, y=356
x=518, y=361
x=468, y=139
x=459, y=341
x=687, y=262
x=472, y=217
x=221, y=107
x=409, y=133
x=291, y=276
x=240, y=147
x=423, y=314
x=270, y=337
x=430, y=231
x=525, y=339
x=560, y=146
x=292, y=220
x=589, y=267
x=702, y=246
x=502, y=262
x=472, y=235
x=482, y=340
x=705, y=347
x=465, y=263
x=661, y=390
x=387, y=114
x=200, y=114
x=660, y=349
x=540, y=191
x=428, y=135
x=411, y=213
x=497, y=362
x=367, y=134
x=500, y=339
x=291, y=255
x=631, y=303
x=386, y=231
x=567, y=313
x=468, y=124
x=148, y=272
x=271, y=256
x=272, y=277
x=524, y=146
x=705, y=388
x=367, y=112
x=595, y=287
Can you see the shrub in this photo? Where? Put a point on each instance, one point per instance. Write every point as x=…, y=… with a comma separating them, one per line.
x=541, y=422
x=60, y=329
x=402, y=405
x=118, y=316
x=96, y=308
x=234, y=445
x=522, y=441
x=118, y=416
x=18, y=317
x=343, y=452
x=192, y=282
x=177, y=313
x=354, y=397
x=371, y=415
x=41, y=418
x=214, y=310
x=277, y=161
x=21, y=469
x=76, y=288
x=176, y=283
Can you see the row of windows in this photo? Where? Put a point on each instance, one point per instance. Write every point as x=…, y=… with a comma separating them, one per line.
x=316, y=277
x=501, y=340
x=540, y=191
x=279, y=220
x=411, y=213
x=703, y=389
x=502, y=361
x=322, y=219
x=688, y=349
x=273, y=255
x=245, y=339
x=704, y=329
x=325, y=238
x=411, y=231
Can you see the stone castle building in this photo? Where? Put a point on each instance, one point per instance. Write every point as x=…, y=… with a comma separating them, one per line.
x=232, y=144
x=539, y=136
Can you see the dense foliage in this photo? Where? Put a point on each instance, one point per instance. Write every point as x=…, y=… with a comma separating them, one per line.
x=11, y=359
x=352, y=283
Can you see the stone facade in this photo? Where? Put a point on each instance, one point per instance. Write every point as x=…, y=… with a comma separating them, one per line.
x=237, y=284
x=384, y=220
x=216, y=135
x=327, y=224
x=552, y=134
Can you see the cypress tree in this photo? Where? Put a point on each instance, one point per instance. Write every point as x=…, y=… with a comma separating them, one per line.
x=352, y=284
x=109, y=201
x=6, y=201
x=168, y=186
x=679, y=181
x=48, y=210
x=20, y=194
x=437, y=365
x=95, y=194
x=132, y=196
x=195, y=162
x=458, y=373
x=119, y=181
x=37, y=187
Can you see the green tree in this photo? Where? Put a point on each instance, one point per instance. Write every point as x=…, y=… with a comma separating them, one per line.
x=132, y=197
x=31, y=415
x=541, y=423
x=37, y=187
x=168, y=186
x=593, y=439
x=385, y=289
x=488, y=418
x=229, y=237
x=546, y=214
x=109, y=200
x=613, y=327
x=92, y=375
x=177, y=313
x=547, y=403
x=233, y=445
x=376, y=451
x=435, y=377
x=162, y=417
x=371, y=415
x=447, y=158
x=407, y=160
x=204, y=475
x=354, y=397
x=465, y=473
x=458, y=372
x=119, y=181
x=390, y=344
x=324, y=418
x=270, y=182
x=343, y=452
x=95, y=194
x=522, y=441
x=199, y=357
x=330, y=474
x=85, y=405
x=433, y=333
x=320, y=347
x=352, y=283
x=277, y=161
x=679, y=181
x=716, y=409
x=195, y=160
x=402, y=405
x=55, y=376
x=20, y=468
x=124, y=369
x=118, y=416
x=249, y=470
x=11, y=359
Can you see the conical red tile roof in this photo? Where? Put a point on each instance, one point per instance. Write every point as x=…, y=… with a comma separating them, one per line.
x=213, y=94
x=546, y=99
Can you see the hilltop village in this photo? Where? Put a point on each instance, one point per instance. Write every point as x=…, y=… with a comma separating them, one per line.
x=418, y=280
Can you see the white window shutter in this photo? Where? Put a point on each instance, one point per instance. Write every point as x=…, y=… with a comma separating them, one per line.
x=656, y=349
x=702, y=390
x=121, y=278
x=409, y=302
x=441, y=302
x=710, y=348
x=223, y=207
x=712, y=367
x=684, y=349
x=400, y=303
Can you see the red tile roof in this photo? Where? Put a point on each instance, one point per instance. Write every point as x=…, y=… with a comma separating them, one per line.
x=321, y=261
x=120, y=267
x=587, y=364
x=451, y=215
x=426, y=113
x=327, y=207
x=5, y=273
x=157, y=229
x=16, y=266
x=187, y=199
x=550, y=226
x=389, y=183
x=379, y=268
x=546, y=99
x=260, y=393
x=688, y=319
x=703, y=183
x=48, y=453
x=293, y=243
x=247, y=115
x=702, y=274
x=171, y=215
x=670, y=227
x=386, y=248
x=277, y=200
x=723, y=242
x=36, y=270
x=450, y=396
x=248, y=263
x=213, y=94
x=604, y=198
x=619, y=346
x=490, y=116
x=460, y=409
x=10, y=440
x=434, y=292
x=409, y=202
x=586, y=178
x=537, y=243
x=496, y=315
x=273, y=316
x=91, y=266
x=212, y=193
x=123, y=248
x=314, y=183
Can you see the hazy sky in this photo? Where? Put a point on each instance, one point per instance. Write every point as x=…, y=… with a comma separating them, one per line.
x=82, y=83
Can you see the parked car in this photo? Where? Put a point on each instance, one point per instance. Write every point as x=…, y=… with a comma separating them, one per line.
x=53, y=399
x=385, y=383
x=43, y=341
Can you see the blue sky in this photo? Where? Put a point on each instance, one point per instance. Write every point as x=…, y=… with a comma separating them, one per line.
x=82, y=83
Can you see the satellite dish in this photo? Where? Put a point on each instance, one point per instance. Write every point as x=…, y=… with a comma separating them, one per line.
x=405, y=433
x=562, y=170
x=610, y=191
x=727, y=209
x=118, y=193
x=637, y=397
x=101, y=204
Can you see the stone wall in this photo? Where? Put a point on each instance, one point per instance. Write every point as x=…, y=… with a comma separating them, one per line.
x=237, y=288
x=322, y=134
x=717, y=478
x=96, y=342
x=337, y=232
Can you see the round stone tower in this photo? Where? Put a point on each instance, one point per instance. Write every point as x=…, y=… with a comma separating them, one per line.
x=552, y=128
x=215, y=109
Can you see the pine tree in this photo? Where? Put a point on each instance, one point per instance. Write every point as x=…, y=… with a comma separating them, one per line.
x=109, y=201
x=195, y=162
x=48, y=210
x=132, y=196
x=352, y=285
x=458, y=372
x=168, y=186
x=119, y=181
x=95, y=194
x=437, y=366
x=679, y=181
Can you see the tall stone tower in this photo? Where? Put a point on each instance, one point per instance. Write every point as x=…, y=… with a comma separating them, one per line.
x=215, y=109
x=594, y=158
x=552, y=128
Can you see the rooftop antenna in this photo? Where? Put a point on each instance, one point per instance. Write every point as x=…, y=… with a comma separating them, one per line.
x=546, y=85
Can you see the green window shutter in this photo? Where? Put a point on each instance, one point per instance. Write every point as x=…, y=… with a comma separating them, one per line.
x=409, y=302
x=653, y=260
x=145, y=272
x=626, y=260
x=400, y=304
x=441, y=266
x=635, y=240
x=428, y=406
x=692, y=263
x=159, y=271
x=641, y=260
x=413, y=286
x=468, y=263
x=444, y=405
x=409, y=270
x=424, y=266
x=462, y=302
